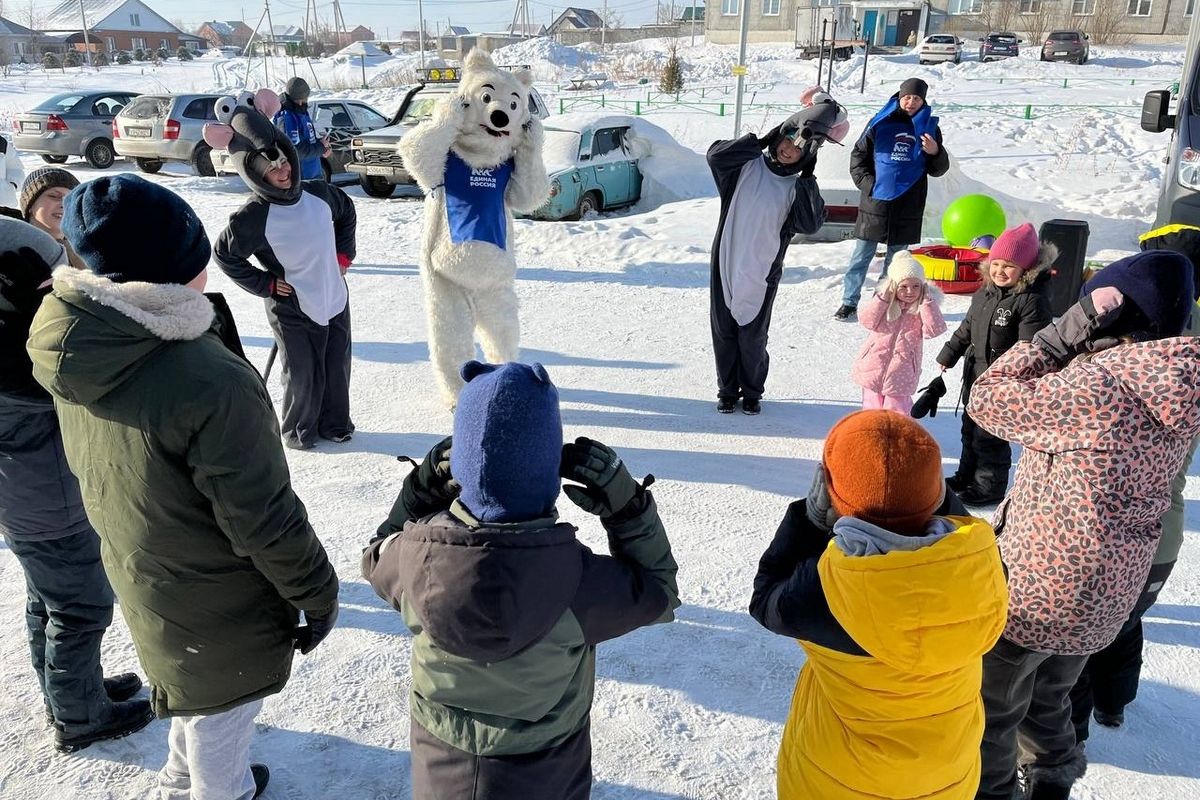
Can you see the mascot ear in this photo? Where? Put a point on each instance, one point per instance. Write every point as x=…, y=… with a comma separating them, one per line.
x=218, y=136
x=524, y=77
x=225, y=107
x=540, y=373
x=267, y=102
x=478, y=59
x=473, y=369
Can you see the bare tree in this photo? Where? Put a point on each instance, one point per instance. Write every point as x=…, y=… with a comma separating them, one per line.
x=611, y=18
x=1043, y=17
x=999, y=15
x=1107, y=25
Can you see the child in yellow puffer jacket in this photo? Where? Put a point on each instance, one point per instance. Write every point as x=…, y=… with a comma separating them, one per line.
x=894, y=607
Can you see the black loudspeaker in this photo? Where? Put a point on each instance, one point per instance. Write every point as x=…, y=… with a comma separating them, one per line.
x=1070, y=236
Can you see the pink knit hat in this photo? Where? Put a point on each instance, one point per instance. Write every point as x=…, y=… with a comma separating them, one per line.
x=1018, y=245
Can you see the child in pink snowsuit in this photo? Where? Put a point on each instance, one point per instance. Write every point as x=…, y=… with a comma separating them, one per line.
x=903, y=311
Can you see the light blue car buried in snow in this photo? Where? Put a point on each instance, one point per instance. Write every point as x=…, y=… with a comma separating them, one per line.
x=591, y=165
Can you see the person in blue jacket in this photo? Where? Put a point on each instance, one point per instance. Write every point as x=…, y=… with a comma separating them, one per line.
x=297, y=125
x=891, y=164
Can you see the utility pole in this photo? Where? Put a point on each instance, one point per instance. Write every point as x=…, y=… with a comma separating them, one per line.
x=741, y=68
x=87, y=45
x=267, y=49
x=421, y=32
x=694, y=23
x=604, y=26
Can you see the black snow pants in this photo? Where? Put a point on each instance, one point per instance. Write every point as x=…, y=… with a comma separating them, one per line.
x=741, y=350
x=315, y=366
x=443, y=772
x=986, y=459
x=69, y=606
x=1109, y=681
x=1028, y=717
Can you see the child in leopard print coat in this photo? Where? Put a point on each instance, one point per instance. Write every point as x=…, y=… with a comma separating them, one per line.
x=1105, y=402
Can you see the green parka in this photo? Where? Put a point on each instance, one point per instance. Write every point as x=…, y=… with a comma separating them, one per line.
x=177, y=449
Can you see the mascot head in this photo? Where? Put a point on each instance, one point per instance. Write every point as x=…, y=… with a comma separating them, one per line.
x=495, y=106
x=245, y=129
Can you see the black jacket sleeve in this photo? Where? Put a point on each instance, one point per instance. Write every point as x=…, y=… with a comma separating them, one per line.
x=862, y=162
x=956, y=347
x=938, y=164
x=730, y=155
x=788, y=598
x=243, y=237
x=1033, y=315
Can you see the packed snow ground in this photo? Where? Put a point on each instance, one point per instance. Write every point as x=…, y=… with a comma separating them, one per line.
x=616, y=308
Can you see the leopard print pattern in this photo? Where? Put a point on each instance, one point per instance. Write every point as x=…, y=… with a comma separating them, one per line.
x=1102, y=439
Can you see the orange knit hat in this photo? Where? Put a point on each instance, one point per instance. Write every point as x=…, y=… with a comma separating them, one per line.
x=884, y=468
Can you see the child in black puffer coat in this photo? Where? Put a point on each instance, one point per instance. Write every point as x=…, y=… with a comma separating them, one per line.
x=1011, y=307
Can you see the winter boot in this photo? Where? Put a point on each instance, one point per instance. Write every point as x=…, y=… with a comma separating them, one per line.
x=726, y=405
x=126, y=718
x=1109, y=720
x=1040, y=790
x=846, y=313
x=751, y=406
x=262, y=776
x=118, y=688
x=958, y=483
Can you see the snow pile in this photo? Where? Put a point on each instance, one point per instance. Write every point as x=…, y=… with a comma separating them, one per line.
x=357, y=50
x=670, y=171
x=550, y=61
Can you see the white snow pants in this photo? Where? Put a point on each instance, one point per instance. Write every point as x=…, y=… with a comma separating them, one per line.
x=210, y=756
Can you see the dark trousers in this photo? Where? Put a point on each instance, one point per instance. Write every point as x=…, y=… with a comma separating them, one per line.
x=985, y=459
x=443, y=772
x=1025, y=699
x=69, y=605
x=740, y=350
x=315, y=365
x=1109, y=681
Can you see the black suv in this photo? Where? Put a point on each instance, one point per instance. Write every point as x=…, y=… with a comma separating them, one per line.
x=999, y=45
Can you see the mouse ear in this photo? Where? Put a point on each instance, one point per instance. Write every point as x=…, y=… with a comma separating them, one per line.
x=225, y=107
x=267, y=102
x=218, y=136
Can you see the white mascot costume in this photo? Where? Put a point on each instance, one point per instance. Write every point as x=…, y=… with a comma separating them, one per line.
x=478, y=159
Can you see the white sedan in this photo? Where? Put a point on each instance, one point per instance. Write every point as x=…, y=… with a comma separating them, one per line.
x=940, y=47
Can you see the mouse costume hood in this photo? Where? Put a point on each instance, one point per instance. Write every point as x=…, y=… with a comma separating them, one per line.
x=255, y=144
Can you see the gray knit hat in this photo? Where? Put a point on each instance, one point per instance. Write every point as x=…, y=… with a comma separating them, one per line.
x=41, y=180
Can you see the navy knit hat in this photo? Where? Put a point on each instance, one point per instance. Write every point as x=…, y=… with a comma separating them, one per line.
x=507, y=442
x=1158, y=283
x=126, y=229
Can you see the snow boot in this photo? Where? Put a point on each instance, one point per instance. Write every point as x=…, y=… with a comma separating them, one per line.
x=118, y=688
x=751, y=406
x=846, y=313
x=1040, y=790
x=726, y=405
x=1108, y=720
x=262, y=776
x=126, y=718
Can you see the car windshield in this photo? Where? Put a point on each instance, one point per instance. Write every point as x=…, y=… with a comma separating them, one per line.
x=61, y=104
x=146, y=107
x=419, y=109
x=561, y=150
x=1064, y=37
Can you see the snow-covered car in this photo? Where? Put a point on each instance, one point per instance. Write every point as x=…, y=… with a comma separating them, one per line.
x=340, y=119
x=940, y=47
x=374, y=156
x=601, y=162
x=995, y=46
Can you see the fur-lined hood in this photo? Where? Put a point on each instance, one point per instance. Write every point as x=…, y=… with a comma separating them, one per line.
x=91, y=333
x=1047, y=254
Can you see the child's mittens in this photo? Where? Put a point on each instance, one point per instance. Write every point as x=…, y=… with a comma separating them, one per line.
x=1077, y=330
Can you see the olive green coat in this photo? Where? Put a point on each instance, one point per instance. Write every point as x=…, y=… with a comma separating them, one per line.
x=177, y=449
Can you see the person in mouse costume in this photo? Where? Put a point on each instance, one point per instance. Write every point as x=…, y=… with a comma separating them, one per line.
x=302, y=234
x=479, y=161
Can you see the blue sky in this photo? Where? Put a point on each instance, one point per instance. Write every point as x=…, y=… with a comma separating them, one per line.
x=382, y=16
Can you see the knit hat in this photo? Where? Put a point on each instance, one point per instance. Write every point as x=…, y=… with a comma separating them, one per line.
x=297, y=90
x=914, y=86
x=884, y=468
x=1019, y=245
x=1182, y=239
x=903, y=267
x=1159, y=286
x=507, y=442
x=41, y=180
x=126, y=229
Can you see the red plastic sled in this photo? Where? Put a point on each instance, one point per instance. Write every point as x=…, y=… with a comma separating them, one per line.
x=954, y=270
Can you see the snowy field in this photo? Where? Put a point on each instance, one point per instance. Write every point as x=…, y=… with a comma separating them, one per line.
x=616, y=307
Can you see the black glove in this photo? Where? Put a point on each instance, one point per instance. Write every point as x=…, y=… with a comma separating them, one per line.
x=432, y=483
x=769, y=138
x=607, y=485
x=317, y=626
x=1078, y=330
x=927, y=403
x=818, y=507
x=22, y=273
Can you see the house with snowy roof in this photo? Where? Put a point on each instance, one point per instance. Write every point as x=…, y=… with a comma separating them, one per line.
x=575, y=19
x=113, y=25
x=18, y=42
x=230, y=33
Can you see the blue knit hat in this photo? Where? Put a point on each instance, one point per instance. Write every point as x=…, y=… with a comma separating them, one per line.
x=507, y=442
x=126, y=229
x=1158, y=283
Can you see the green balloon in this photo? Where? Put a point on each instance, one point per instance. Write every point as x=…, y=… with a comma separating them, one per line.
x=972, y=216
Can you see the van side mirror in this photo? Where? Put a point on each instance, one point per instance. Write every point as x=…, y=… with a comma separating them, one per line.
x=1155, y=111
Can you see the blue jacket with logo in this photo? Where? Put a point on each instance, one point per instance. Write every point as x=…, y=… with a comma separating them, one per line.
x=298, y=126
x=891, y=170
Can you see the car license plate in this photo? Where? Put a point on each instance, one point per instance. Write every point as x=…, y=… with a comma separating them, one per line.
x=374, y=170
x=138, y=133
x=1060, y=52
x=30, y=127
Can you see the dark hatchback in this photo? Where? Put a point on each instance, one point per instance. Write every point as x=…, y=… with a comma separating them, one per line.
x=999, y=45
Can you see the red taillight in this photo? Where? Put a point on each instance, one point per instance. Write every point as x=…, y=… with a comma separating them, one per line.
x=116, y=132
x=55, y=123
x=171, y=130
x=846, y=215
